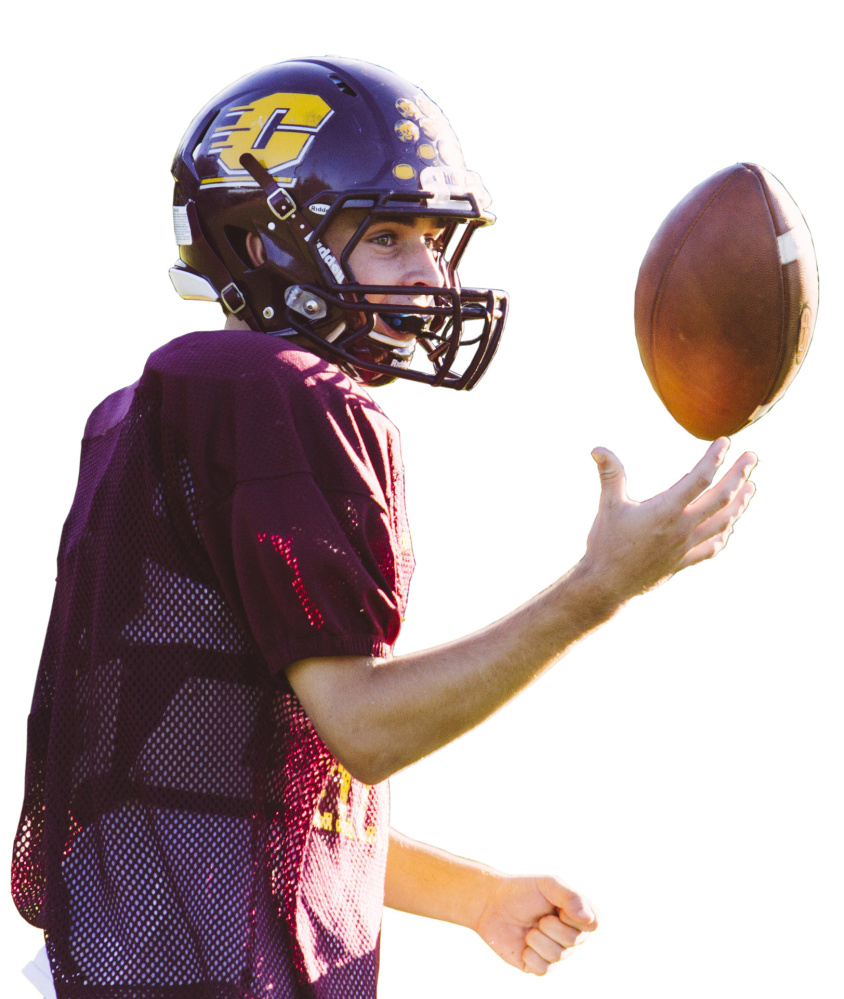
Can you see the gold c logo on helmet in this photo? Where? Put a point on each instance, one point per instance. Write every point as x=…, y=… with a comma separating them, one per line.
x=276, y=129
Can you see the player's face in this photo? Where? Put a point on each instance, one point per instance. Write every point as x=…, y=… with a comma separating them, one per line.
x=404, y=251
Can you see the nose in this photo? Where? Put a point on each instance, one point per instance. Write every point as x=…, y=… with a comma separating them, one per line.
x=424, y=267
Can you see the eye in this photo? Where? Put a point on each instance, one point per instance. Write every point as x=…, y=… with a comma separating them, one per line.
x=385, y=239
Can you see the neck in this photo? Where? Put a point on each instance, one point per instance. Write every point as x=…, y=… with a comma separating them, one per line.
x=233, y=323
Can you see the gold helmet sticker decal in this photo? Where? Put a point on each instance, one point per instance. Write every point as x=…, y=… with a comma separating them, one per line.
x=406, y=131
x=276, y=129
x=407, y=109
x=403, y=171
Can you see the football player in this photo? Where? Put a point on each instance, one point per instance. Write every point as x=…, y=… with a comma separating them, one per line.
x=218, y=710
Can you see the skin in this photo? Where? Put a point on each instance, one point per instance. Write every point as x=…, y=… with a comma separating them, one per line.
x=378, y=716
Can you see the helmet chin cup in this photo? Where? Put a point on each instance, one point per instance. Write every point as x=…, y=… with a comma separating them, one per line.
x=279, y=155
x=399, y=349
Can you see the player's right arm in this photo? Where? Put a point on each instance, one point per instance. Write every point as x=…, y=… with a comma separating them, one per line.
x=378, y=716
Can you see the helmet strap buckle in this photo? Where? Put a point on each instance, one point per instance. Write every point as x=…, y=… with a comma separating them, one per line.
x=232, y=298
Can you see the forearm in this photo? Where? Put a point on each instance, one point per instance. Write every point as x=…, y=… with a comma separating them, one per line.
x=426, y=881
x=529, y=921
x=380, y=716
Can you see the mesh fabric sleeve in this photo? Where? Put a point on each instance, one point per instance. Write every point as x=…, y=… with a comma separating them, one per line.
x=311, y=572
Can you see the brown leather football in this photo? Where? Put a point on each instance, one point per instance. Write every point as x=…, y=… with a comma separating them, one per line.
x=726, y=301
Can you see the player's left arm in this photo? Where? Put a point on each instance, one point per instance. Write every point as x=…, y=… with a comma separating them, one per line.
x=530, y=922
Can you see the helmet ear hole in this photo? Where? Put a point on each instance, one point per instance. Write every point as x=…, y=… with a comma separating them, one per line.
x=236, y=238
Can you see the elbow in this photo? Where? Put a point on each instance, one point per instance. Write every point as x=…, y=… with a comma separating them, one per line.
x=368, y=773
x=365, y=761
x=344, y=700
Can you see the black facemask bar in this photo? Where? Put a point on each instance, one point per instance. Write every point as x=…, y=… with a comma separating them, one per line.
x=456, y=308
x=335, y=315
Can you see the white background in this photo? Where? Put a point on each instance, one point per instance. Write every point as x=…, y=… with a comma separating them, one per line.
x=681, y=767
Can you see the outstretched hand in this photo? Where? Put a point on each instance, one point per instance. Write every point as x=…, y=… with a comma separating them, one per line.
x=533, y=922
x=635, y=546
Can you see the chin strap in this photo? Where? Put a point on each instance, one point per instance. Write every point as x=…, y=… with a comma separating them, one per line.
x=285, y=209
x=279, y=201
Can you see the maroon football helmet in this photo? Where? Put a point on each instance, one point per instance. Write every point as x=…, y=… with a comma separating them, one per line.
x=280, y=153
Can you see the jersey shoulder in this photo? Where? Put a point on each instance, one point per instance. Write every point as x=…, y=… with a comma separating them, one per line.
x=247, y=362
x=268, y=407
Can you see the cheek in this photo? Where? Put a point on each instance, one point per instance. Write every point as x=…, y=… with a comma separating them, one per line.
x=369, y=268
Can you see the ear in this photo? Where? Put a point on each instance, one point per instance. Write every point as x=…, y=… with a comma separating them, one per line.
x=255, y=249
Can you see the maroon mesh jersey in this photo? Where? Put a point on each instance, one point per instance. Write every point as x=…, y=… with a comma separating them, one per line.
x=185, y=832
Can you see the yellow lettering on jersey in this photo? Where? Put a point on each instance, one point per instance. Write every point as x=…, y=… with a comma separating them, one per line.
x=345, y=827
x=275, y=129
x=345, y=783
x=324, y=820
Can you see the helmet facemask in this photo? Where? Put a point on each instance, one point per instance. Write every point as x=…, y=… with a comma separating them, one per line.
x=338, y=315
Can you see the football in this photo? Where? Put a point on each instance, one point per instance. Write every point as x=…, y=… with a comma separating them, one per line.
x=726, y=301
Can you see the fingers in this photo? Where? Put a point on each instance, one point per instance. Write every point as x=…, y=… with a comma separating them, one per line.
x=611, y=471
x=533, y=963
x=572, y=908
x=717, y=498
x=685, y=491
x=552, y=939
x=700, y=477
x=717, y=511
x=558, y=933
x=714, y=512
x=549, y=950
x=550, y=942
x=635, y=546
x=711, y=536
